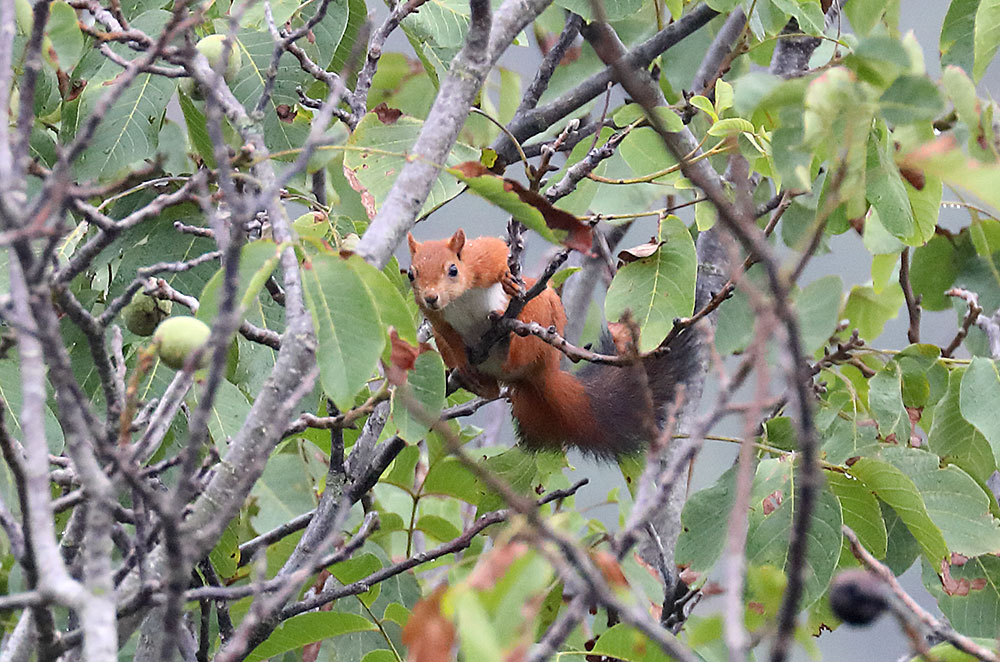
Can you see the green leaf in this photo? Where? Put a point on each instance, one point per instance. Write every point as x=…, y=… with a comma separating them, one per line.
x=623, y=642
x=865, y=15
x=735, y=324
x=64, y=31
x=773, y=503
x=658, y=288
x=257, y=48
x=479, y=638
x=902, y=549
x=861, y=511
x=958, y=34
x=933, y=271
x=730, y=127
x=347, y=326
x=614, y=10
x=129, y=133
x=378, y=151
x=897, y=489
x=329, y=32
x=962, y=92
x=225, y=556
x=229, y=410
x=885, y=399
x=986, y=36
x=306, y=628
x=10, y=394
x=703, y=524
x=258, y=260
x=195, y=121
x=886, y=193
x=980, y=400
x=818, y=306
x=911, y=99
x=449, y=477
x=956, y=504
x=283, y=492
x=393, y=310
x=424, y=388
x=956, y=440
x=868, y=311
x=975, y=599
x=646, y=154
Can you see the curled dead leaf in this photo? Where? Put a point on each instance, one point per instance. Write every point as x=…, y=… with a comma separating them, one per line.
x=385, y=114
x=428, y=635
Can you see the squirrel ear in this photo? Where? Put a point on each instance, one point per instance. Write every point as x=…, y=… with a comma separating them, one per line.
x=412, y=243
x=456, y=242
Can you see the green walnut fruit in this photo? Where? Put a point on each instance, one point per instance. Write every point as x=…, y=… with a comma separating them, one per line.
x=144, y=313
x=178, y=337
x=211, y=47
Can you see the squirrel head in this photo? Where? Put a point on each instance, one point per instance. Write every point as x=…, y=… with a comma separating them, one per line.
x=436, y=271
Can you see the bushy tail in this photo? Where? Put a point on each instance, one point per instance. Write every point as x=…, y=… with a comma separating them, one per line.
x=606, y=411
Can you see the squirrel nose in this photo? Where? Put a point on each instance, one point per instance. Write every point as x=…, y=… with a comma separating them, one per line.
x=431, y=299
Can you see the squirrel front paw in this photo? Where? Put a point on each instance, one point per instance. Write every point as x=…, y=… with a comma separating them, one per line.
x=511, y=285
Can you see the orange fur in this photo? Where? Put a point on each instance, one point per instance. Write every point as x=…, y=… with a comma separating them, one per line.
x=606, y=412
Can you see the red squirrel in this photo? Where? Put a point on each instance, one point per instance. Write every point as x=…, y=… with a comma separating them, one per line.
x=606, y=411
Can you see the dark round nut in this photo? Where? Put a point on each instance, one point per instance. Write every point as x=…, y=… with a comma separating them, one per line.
x=143, y=313
x=857, y=597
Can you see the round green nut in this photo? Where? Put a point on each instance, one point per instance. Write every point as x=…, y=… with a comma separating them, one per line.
x=178, y=337
x=144, y=313
x=211, y=47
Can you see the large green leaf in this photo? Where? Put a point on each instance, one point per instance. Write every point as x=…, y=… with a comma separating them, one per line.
x=773, y=504
x=257, y=48
x=987, y=36
x=972, y=601
x=868, y=310
x=377, y=151
x=886, y=193
x=394, y=311
x=898, y=490
x=818, y=306
x=933, y=271
x=656, y=289
x=424, y=388
x=911, y=99
x=129, y=133
x=861, y=511
x=957, y=505
x=980, y=400
x=954, y=439
x=347, y=326
x=885, y=400
x=10, y=393
x=306, y=628
x=958, y=34
x=64, y=31
x=257, y=260
x=703, y=528
x=283, y=492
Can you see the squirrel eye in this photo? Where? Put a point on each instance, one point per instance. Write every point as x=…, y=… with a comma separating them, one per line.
x=453, y=271
x=411, y=274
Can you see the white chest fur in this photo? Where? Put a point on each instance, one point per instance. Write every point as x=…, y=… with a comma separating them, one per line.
x=469, y=315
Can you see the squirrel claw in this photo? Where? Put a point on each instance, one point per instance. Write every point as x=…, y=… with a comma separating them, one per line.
x=511, y=285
